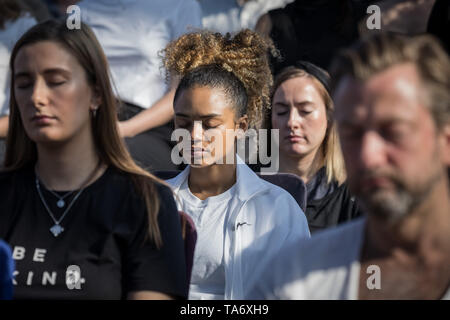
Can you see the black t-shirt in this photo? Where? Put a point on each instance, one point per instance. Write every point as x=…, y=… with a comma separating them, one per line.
x=104, y=251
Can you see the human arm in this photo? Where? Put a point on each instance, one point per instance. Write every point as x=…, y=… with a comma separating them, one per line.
x=148, y=295
x=4, y=126
x=160, y=113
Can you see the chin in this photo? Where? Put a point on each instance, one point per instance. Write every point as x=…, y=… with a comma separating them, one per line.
x=46, y=135
x=390, y=206
x=296, y=151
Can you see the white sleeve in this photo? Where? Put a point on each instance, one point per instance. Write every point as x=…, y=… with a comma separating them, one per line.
x=17, y=29
x=289, y=228
x=187, y=17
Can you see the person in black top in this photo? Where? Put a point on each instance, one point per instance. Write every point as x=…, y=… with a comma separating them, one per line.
x=309, y=147
x=83, y=220
x=310, y=30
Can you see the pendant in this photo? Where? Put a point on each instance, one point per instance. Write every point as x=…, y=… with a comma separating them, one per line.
x=56, y=230
x=60, y=203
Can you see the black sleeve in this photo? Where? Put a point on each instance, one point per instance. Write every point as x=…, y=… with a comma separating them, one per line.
x=353, y=209
x=162, y=270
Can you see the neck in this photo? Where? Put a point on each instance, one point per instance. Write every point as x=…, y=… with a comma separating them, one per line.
x=67, y=166
x=212, y=180
x=425, y=232
x=303, y=166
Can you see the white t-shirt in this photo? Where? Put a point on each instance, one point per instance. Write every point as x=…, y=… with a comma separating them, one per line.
x=132, y=34
x=210, y=217
x=325, y=267
x=227, y=16
x=8, y=37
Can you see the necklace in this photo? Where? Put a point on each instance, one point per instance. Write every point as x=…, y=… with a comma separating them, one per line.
x=57, y=229
x=61, y=203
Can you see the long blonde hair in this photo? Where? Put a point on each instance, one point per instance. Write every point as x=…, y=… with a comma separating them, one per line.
x=21, y=151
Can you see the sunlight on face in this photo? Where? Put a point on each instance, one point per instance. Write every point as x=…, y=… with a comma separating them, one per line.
x=389, y=140
x=299, y=112
x=52, y=92
x=207, y=114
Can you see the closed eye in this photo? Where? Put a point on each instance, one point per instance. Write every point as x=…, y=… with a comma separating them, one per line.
x=56, y=83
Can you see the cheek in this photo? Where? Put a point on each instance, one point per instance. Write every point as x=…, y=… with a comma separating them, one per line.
x=74, y=105
x=315, y=127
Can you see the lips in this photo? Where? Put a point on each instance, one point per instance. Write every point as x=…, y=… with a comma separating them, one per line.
x=295, y=138
x=42, y=119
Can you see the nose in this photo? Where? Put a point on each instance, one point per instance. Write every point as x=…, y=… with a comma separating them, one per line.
x=39, y=96
x=373, y=150
x=294, y=119
x=197, y=131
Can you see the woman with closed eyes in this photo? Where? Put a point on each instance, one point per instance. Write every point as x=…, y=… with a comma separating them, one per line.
x=241, y=220
x=302, y=110
x=84, y=221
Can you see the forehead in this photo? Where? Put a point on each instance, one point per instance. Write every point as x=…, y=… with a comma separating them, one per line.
x=394, y=92
x=298, y=88
x=44, y=55
x=201, y=101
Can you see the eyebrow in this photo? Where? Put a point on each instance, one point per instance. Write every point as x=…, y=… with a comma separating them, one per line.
x=297, y=104
x=46, y=72
x=208, y=116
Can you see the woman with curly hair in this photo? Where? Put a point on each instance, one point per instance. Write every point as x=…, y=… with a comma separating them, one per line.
x=241, y=220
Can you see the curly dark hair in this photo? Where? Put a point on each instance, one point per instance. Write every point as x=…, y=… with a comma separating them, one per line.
x=238, y=65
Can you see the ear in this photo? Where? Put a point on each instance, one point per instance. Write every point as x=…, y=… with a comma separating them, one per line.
x=96, y=99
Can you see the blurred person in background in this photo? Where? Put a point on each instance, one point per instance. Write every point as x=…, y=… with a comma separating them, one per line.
x=14, y=21
x=233, y=15
x=309, y=30
x=132, y=33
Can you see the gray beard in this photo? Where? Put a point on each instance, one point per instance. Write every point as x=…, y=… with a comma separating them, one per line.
x=393, y=206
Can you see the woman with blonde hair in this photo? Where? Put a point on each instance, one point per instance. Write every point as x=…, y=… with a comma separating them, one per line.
x=302, y=110
x=84, y=221
x=241, y=220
